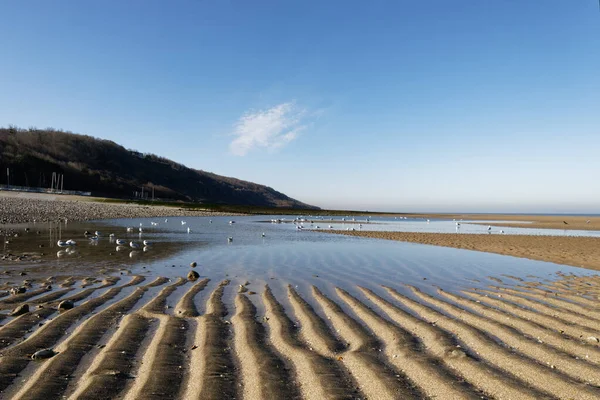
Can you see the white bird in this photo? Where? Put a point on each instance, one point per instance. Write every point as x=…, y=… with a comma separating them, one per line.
x=121, y=242
x=166, y=220
x=330, y=227
x=263, y=234
x=231, y=222
x=189, y=230
x=129, y=229
x=230, y=239
x=501, y=231
x=210, y=221
x=134, y=245
x=111, y=235
x=71, y=242
x=94, y=239
x=61, y=243
x=146, y=248
x=183, y=222
x=97, y=233
x=489, y=227
x=148, y=243
x=141, y=230
x=120, y=248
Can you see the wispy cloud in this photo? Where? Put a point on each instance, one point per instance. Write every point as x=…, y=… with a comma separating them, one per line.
x=268, y=129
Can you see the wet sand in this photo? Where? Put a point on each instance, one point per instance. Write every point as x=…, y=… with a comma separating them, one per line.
x=507, y=340
x=579, y=222
x=583, y=252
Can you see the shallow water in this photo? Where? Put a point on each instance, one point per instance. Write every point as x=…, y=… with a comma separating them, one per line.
x=298, y=257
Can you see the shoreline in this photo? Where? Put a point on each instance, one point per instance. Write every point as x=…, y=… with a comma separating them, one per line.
x=581, y=252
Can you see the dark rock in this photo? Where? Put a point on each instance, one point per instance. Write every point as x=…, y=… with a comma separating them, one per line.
x=193, y=275
x=20, y=310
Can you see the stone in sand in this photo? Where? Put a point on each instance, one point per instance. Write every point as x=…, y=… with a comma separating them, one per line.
x=193, y=275
x=20, y=310
x=65, y=305
x=43, y=354
x=193, y=265
x=18, y=290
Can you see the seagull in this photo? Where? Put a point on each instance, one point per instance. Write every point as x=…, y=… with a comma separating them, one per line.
x=263, y=234
x=166, y=220
x=134, y=245
x=231, y=222
x=61, y=243
x=148, y=243
x=129, y=229
x=111, y=235
x=189, y=230
x=121, y=242
x=98, y=233
x=230, y=239
x=489, y=227
x=71, y=242
x=183, y=222
x=501, y=231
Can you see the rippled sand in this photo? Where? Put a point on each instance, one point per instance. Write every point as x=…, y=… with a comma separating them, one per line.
x=155, y=338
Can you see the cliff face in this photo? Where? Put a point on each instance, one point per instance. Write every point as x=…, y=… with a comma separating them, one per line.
x=108, y=169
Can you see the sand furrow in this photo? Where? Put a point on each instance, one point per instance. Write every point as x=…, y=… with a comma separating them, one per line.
x=111, y=370
x=158, y=303
x=489, y=380
x=318, y=377
x=541, y=377
x=19, y=298
x=550, y=322
x=526, y=327
x=212, y=372
x=16, y=358
x=375, y=379
x=162, y=368
x=576, y=298
x=51, y=296
x=403, y=352
x=314, y=331
x=51, y=379
x=572, y=317
x=263, y=374
x=563, y=306
x=576, y=369
x=186, y=306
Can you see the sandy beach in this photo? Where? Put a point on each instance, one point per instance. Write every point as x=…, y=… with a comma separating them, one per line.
x=149, y=336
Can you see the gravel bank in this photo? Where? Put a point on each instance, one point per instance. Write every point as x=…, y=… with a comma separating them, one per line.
x=15, y=210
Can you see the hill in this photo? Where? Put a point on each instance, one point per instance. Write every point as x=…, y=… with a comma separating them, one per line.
x=110, y=170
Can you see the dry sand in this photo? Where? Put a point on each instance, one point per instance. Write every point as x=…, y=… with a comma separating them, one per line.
x=512, y=340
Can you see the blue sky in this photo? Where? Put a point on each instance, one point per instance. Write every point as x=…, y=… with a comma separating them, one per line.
x=432, y=105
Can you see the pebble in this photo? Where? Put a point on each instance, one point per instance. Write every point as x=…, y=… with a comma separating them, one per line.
x=193, y=275
x=43, y=354
x=65, y=305
x=193, y=264
x=20, y=310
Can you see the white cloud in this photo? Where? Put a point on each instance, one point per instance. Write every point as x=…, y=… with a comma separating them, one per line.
x=269, y=129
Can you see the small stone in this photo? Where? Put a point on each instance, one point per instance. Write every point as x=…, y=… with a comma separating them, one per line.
x=65, y=305
x=193, y=275
x=20, y=310
x=193, y=264
x=43, y=354
x=23, y=273
x=18, y=290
